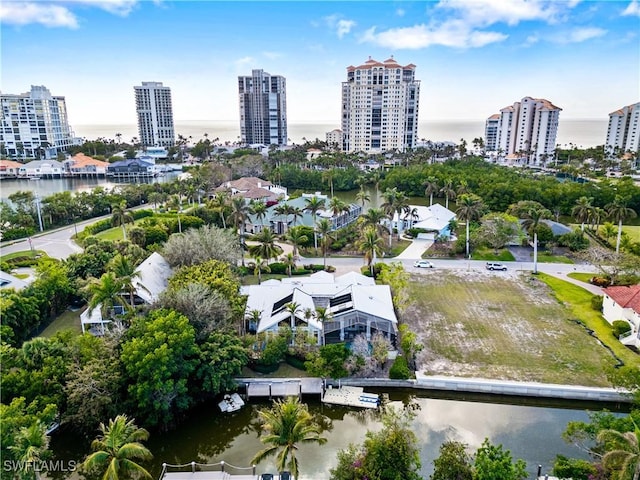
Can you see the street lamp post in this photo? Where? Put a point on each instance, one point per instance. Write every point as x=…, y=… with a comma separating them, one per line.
x=39, y=212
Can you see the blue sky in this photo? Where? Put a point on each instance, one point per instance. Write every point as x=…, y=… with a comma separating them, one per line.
x=472, y=57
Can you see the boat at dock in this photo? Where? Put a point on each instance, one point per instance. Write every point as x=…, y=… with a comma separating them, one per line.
x=351, y=397
x=231, y=403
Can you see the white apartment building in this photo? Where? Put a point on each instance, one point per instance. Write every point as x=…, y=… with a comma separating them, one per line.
x=527, y=130
x=380, y=107
x=35, y=125
x=263, y=108
x=491, y=132
x=334, y=139
x=155, y=115
x=623, y=132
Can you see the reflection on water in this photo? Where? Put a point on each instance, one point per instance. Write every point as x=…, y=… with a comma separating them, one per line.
x=531, y=432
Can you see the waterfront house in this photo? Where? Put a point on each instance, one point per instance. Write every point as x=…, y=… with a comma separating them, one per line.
x=254, y=188
x=354, y=304
x=151, y=280
x=131, y=168
x=623, y=303
x=81, y=165
x=9, y=169
x=434, y=219
x=41, y=169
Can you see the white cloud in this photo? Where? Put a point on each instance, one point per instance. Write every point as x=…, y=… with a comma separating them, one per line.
x=633, y=9
x=512, y=12
x=531, y=40
x=340, y=25
x=24, y=13
x=242, y=62
x=400, y=12
x=578, y=35
x=117, y=7
x=272, y=55
x=449, y=34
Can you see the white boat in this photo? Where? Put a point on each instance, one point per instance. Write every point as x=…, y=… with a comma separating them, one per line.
x=231, y=403
x=34, y=178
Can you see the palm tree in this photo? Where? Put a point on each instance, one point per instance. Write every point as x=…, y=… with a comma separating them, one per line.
x=239, y=214
x=259, y=209
x=375, y=178
x=623, y=452
x=531, y=223
x=582, y=210
x=125, y=272
x=106, y=291
x=337, y=207
x=296, y=212
x=297, y=238
x=324, y=229
x=174, y=203
x=117, y=449
x=608, y=230
x=327, y=176
x=267, y=247
x=462, y=188
x=220, y=203
x=374, y=218
x=292, y=308
x=323, y=315
x=30, y=444
x=289, y=260
x=313, y=205
x=260, y=264
x=362, y=197
x=618, y=212
x=395, y=203
x=120, y=216
x=470, y=208
x=155, y=198
x=287, y=425
x=371, y=244
x=430, y=187
x=448, y=192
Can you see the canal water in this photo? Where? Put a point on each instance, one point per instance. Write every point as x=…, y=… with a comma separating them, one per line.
x=531, y=430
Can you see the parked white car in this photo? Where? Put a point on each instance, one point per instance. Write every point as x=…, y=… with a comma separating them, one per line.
x=495, y=266
x=423, y=264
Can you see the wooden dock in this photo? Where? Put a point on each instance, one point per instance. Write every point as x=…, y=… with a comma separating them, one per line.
x=351, y=397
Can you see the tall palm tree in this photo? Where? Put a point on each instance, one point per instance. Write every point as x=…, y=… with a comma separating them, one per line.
x=155, y=198
x=430, y=187
x=327, y=176
x=582, y=210
x=121, y=216
x=260, y=264
x=175, y=203
x=239, y=214
x=220, y=204
x=289, y=260
x=324, y=229
x=117, y=450
x=448, y=192
x=267, y=247
x=371, y=244
x=470, y=208
x=608, y=230
x=292, y=308
x=395, y=203
x=375, y=178
x=323, y=315
x=618, y=212
x=30, y=444
x=125, y=272
x=314, y=204
x=374, y=217
x=622, y=452
x=297, y=212
x=532, y=221
x=297, y=238
x=362, y=197
x=259, y=209
x=287, y=425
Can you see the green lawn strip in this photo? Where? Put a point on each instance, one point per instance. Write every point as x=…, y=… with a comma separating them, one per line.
x=488, y=254
x=546, y=258
x=578, y=300
x=22, y=254
x=69, y=320
x=633, y=231
x=399, y=247
x=503, y=329
x=583, y=277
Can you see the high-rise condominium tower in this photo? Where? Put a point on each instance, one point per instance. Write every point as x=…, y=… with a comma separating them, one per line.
x=155, y=115
x=263, y=108
x=380, y=107
x=34, y=124
x=527, y=130
x=623, y=133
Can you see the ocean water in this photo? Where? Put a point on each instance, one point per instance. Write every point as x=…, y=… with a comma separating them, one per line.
x=582, y=133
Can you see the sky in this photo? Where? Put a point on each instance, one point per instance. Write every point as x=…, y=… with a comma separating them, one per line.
x=473, y=57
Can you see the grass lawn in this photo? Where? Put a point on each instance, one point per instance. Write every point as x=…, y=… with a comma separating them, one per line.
x=578, y=302
x=284, y=371
x=633, y=231
x=583, y=277
x=23, y=253
x=69, y=320
x=503, y=327
x=488, y=254
x=547, y=258
x=398, y=247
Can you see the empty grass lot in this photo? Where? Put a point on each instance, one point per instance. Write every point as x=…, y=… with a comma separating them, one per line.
x=508, y=327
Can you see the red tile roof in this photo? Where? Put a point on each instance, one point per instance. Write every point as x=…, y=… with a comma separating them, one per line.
x=626, y=297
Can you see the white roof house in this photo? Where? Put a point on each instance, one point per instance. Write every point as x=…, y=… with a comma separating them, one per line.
x=9, y=281
x=435, y=218
x=44, y=168
x=353, y=301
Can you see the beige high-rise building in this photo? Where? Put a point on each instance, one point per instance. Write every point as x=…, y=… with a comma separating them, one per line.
x=155, y=115
x=527, y=130
x=623, y=132
x=263, y=108
x=380, y=103
x=35, y=124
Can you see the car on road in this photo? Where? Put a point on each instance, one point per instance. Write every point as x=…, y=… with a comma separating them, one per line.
x=495, y=266
x=423, y=264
